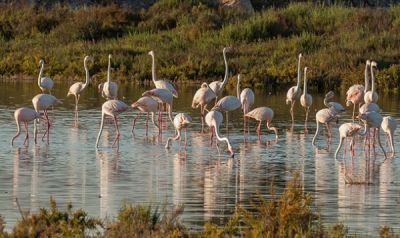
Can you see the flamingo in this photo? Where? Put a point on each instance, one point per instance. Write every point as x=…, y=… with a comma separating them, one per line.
x=263, y=114
x=202, y=97
x=325, y=116
x=111, y=108
x=369, y=107
x=371, y=96
x=24, y=115
x=333, y=105
x=45, y=83
x=389, y=125
x=294, y=92
x=227, y=104
x=161, y=83
x=148, y=105
x=218, y=86
x=306, y=98
x=77, y=88
x=43, y=102
x=109, y=89
x=355, y=94
x=346, y=130
x=214, y=120
x=246, y=98
x=372, y=120
x=163, y=96
x=181, y=121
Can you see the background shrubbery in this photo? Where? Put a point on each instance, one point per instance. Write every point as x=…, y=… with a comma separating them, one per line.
x=188, y=36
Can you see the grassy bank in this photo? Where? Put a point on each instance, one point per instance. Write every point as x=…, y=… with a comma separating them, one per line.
x=288, y=215
x=188, y=37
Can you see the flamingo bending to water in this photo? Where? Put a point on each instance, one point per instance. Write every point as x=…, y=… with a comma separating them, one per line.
x=43, y=102
x=148, y=105
x=372, y=120
x=214, y=120
x=325, y=116
x=389, y=125
x=181, y=121
x=162, y=95
x=24, y=115
x=347, y=130
x=263, y=114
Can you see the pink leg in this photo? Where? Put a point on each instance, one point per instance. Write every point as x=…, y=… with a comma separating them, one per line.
x=134, y=122
x=27, y=133
x=212, y=136
x=117, y=129
x=185, y=138
x=259, y=131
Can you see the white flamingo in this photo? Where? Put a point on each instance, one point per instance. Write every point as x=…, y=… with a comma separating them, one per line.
x=109, y=89
x=294, y=92
x=263, y=114
x=355, y=94
x=77, y=88
x=372, y=120
x=214, y=120
x=181, y=121
x=389, y=125
x=148, y=105
x=163, y=96
x=371, y=96
x=325, y=116
x=333, y=105
x=45, y=83
x=203, y=96
x=306, y=98
x=24, y=115
x=43, y=102
x=347, y=130
x=246, y=97
x=218, y=86
x=161, y=83
x=112, y=108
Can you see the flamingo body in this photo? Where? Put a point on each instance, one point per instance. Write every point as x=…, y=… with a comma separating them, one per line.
x=45, y=83
x=181, y=121
x=263, y=114
x=347, y=130
x=213, y=120
x=24, y=115
x=163, y=96
x=389, y=125
x=77, y=88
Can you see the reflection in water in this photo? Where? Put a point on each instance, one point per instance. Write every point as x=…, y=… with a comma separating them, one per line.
x=210, y=186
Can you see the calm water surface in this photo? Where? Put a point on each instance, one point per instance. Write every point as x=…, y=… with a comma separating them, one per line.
x=210, y=185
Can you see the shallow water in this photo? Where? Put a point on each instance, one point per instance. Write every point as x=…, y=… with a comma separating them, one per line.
x=209, y=184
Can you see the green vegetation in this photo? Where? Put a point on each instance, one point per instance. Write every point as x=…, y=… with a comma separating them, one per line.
x=288, y=215
x=188, y=36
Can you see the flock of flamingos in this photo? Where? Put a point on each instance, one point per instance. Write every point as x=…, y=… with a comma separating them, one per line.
x=153, y=102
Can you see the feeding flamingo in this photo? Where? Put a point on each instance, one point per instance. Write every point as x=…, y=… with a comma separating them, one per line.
x=355, y=94
x=161, y=83
x=372, y=120
x=246, y=98
x=214, y=120
x=325, y=116
x=181, y=121
x=306, y=98
x=45, y=83
x=369, y=107
x=203, y=96
x=263, y=114
x=163, y=96
x=218, y=86
x=389, y=125
x=24, y=115
x=112, y=108
x=109, y=89
x=294, y=92
x=347, y=130
x=371, y=96
x=148, y=105
x=77, y=88
x=43, y=102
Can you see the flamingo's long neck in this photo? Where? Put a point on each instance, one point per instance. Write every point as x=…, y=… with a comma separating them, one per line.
x=109, y=70
x=299, y=72
x=305, y=82
x=366, y=78
x=178, y=135
x=391, y=140
x=316, y=133
x=103, y=115
x=340, y=146
x=238, y=88
x=18, y=131
x=326, y=101
x=216, y=127
x=226, y=71
x=153, y=69
x=40, y=74
x=170, y=113
x=372, y=80
x=87, y=76
x=152, y=120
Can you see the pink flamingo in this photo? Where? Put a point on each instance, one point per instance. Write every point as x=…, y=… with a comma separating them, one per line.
x=77, y=88
x=227, y=104
x=348, y=130
x=263, y=114
x=24, y=115
x=203, y=96
x=109, y=89
x=306, y=98
x=389, y=125
x=161, y=83
x=219, y=86
x=112, y=108
x=325, y=116
x=372, y=120
x=45, y=83
x=43, y=102
x=371, y=96
x=163, y=96
x=355, y=94
x=337, y=107
x=294, y=92
x=246, y=97
x=181, y=121
x=214, y=120
x=148, y=105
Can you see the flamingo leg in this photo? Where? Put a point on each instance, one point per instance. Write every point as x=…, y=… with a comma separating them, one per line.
x=259, y=131
x=117, y=131
x=291, y=110
x=27, y=133
x=147, y=124
x=379, y=141
x=134, y=122
x=185, y=138
x=212, y=136
x=227, y=128
x=202, y=118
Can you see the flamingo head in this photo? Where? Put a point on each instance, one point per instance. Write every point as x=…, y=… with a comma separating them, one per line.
x=330, y=95
x=300, y=55
x=100, y=87
x=231, y=151
x=362, y=116
x=204, y=85
x=348, y=103
x=41, y=62
x=373, y=64
x=228, y=49
x=368, y=62
x=186, y=118
x=151, y=53
x=109, y=56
